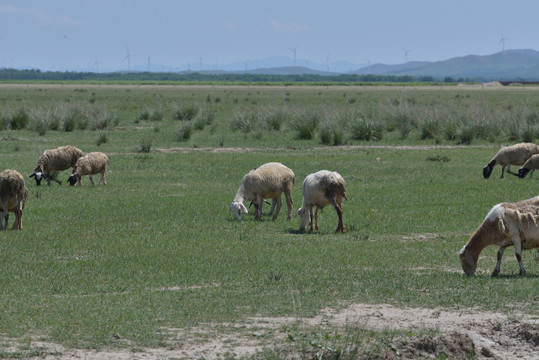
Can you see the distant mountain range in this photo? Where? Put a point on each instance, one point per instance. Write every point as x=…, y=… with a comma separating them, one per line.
x=506, y=65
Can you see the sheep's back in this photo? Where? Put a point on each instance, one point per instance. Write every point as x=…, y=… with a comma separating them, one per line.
x=12, y=186
x=268, y=180
x=516, y=154
x=61, y=158
x=92, y=163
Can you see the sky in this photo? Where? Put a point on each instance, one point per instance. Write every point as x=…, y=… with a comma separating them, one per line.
x=121, y=35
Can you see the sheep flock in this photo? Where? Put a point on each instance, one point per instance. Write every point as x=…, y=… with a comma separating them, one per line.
x=507, y=224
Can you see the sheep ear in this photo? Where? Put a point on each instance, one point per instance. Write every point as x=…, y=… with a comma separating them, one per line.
x=34, y=174
x=244, y=208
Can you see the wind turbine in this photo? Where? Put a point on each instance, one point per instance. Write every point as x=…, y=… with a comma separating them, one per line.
x=406, y=52
x=327, y=63
x=96, y=64
x=502, y=41
x=294, y=50
x=128, y=58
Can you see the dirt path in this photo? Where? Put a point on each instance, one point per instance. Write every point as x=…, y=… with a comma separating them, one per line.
x=489, y=335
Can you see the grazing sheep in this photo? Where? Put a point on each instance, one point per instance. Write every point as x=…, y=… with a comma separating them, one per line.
x=530, y=165
x=13, y=194
x=505, y=225
x=511, y=155
x=319, y=190
x=268, y=181
x=59, y=159
x=90, y=164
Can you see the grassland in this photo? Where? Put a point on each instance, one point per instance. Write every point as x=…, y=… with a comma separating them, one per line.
x=156, y=249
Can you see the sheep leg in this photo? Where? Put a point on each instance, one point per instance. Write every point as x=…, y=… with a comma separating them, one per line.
x=518, y=254
x=311, y=217
x=531, y=173
x=103, y=179
x=5, y=213
x=91, y=180
x=273, y=203
x=503, y=169
x=316, y=218
x=51, y=176
x=18, y=218
x=499, y=262
x=289, y=203
x=258, y=208
x=340, y=226
x=277, y=207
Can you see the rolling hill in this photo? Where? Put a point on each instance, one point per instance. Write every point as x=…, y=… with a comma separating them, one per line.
x=508, y=65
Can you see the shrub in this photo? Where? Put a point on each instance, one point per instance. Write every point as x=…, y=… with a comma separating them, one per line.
x=69, y=124
x=19, y=120
x=187, y=112
x=275, y=119
x=246, y=121
x=466, y=134
x=102, y=138
x=184, y=132
x=146, y=143
x=362, y=129
x=305, y=124
x=326, y=135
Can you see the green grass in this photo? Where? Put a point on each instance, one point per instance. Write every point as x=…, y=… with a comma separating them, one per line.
x=157, y=249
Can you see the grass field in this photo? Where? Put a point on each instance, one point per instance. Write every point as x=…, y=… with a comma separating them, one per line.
x=156, y=249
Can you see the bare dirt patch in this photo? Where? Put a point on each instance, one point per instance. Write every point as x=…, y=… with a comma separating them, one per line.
x=450, y=333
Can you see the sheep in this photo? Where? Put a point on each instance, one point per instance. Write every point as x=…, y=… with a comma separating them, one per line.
x=13, y=194
x=321, y=189
x=90, y=164
x=506, y=224
x=268, y=181
x=59, y=159
x=530, y=165
x=515, y=154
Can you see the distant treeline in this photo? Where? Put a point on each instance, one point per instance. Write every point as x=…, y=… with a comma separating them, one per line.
x=194, y=77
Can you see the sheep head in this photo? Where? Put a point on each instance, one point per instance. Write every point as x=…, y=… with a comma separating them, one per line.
x=73, y=179
x=487, y=170
x=522, y=172
x=304, y=218
x=468, y=260
x=39, y=175
x=236, y=208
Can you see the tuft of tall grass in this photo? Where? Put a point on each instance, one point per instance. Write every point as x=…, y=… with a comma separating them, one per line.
x=305, y=123
x=19, y=120
x=186, y=112
x=184, y=132
x=361, y=129
x=246, y=121
x=146, y=143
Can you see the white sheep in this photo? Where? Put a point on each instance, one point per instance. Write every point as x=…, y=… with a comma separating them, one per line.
x=13, y=194
x=90, y=164
x=268, y=181
x=319, y=190
x=507, y=224
x=59, y=159
x=511, y=155
x=530, y=165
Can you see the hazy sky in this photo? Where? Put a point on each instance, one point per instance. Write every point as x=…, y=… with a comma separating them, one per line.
x=95, y=34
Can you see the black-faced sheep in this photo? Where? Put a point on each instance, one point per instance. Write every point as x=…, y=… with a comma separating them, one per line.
x=530, y=165
x=13, y=194
x=268, y=181
x=319, y=190
x=59, y=159
x=507, y=224
x=90, y=164
x=511, y=155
